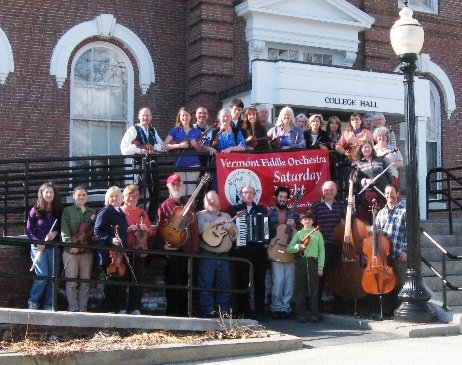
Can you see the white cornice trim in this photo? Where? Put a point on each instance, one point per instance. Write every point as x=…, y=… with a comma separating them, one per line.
x=426, y=66
x=6, y=60
x=103, y=25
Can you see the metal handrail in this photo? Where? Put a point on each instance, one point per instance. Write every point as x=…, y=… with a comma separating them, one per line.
x=443, y=275
x=444, y=185
x=56, y=278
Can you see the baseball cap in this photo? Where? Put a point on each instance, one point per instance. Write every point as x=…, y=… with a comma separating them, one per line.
x=173, y=178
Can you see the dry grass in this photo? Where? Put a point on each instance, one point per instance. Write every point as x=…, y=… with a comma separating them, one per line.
x=59, y=343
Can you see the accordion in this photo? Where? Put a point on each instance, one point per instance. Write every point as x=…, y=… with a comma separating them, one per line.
x=252, y=228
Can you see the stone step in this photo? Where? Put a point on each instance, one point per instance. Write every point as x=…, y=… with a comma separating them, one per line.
x=454, y=297
x=434, y=254
x=435, y=283
x=452, y=268
x=447, y=241
x=441, y=226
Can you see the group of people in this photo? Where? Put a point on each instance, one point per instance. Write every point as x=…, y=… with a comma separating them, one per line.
x=306, y=241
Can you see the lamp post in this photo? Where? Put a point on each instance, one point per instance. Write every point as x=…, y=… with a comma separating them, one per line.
x=407, y=37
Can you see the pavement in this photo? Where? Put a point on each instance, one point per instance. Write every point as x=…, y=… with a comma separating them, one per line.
x=281, y=336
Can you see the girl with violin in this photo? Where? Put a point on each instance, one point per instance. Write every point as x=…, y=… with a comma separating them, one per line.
x=308, y=245
x=42, y=224
x=255, y=132
x=369, y=169
x=138, y=231
x=111, y=230
x=77, y=227
x=186, y=139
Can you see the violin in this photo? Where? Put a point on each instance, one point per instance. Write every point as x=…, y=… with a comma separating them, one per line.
x=275, y=142
x=116, y=268
x=141, y=238
x=252, y=141
x=84, y=233
x=306, y=239
x=148, y=147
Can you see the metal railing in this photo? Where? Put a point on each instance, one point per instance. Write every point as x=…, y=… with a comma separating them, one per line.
x=57, y=277
x=443, y=275
x=444, y=192
x=20, y=180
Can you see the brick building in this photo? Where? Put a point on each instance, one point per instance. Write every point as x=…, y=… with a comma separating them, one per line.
x=74, y=73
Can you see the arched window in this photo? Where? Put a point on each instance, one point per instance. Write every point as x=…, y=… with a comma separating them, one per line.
x=426, y=6
x=434, y=130
x=101, y=100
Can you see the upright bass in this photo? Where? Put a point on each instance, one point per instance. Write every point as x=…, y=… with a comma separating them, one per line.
x=345, y=280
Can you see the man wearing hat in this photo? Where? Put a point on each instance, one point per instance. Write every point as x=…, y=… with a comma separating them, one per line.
x=176, y=270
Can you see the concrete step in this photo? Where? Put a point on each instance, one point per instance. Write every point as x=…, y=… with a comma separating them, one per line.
x=441, y=226
x=445, y=240
x=434, y=254
x=454, y=298
x=452, y=267
x=435, y=283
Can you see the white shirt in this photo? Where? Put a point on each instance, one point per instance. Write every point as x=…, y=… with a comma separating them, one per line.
x=128, y=148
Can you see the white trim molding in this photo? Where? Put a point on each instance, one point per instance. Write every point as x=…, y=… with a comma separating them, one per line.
x=426, y=66
x=331, y=25
x=103, y=25
x=6, y=58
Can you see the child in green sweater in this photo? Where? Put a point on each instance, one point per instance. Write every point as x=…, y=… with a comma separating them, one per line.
x=308, y=245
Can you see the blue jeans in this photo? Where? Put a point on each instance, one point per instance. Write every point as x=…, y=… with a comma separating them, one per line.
x=213, y=274
x=42, y=288
x=283, y=274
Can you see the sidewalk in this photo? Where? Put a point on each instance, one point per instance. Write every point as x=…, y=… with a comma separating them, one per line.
x=280, y=335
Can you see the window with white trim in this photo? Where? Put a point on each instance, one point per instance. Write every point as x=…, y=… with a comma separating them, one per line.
x=99, y=104
x=425, y=6
x=282, y=53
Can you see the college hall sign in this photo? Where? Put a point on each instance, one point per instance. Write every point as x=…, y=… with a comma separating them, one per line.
x=361, y=103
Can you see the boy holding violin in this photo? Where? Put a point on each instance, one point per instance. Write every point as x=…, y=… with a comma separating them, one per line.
x=77, y=227
x=308, y=245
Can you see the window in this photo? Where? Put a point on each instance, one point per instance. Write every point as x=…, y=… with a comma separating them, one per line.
x=434, y=132
x=297, y=55
x=426, y=6
x=99, y=104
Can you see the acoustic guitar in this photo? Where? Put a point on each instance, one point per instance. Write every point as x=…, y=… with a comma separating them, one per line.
x=277, y=249
x=174, y=230
x=213, y=236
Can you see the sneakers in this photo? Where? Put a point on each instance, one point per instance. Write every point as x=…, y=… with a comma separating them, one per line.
x=136, y=312
x=123, y=311
x=32, y=305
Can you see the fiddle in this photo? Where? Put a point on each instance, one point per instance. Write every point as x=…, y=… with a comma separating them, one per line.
x=252, y=141
x=84, y=233
x=275, y=142
x=116, y=268
x=148, y=147
x=306, y=239
x=141, y=238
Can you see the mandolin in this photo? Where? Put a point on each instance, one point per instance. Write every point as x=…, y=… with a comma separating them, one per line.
x=277, y=249
x=213, y=236
x=174, y=230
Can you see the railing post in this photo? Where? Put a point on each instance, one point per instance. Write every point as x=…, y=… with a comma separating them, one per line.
x=450, y=205
x=5, y=207
x=145, y=185
x=444, y=291
x=26, y=189
x=55, y=282
x=190, y=284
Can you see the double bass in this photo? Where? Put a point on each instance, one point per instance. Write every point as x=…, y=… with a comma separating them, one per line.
x=174, y=230
x=345, y=280
x=378, y=277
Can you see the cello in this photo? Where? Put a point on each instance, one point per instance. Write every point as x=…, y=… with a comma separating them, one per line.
x=345, y=280
x=378, y=277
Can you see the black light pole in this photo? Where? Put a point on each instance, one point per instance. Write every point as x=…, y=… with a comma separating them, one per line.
x=407, y=37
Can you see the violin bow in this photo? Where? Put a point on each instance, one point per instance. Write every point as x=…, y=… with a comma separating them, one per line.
x=375, y=179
